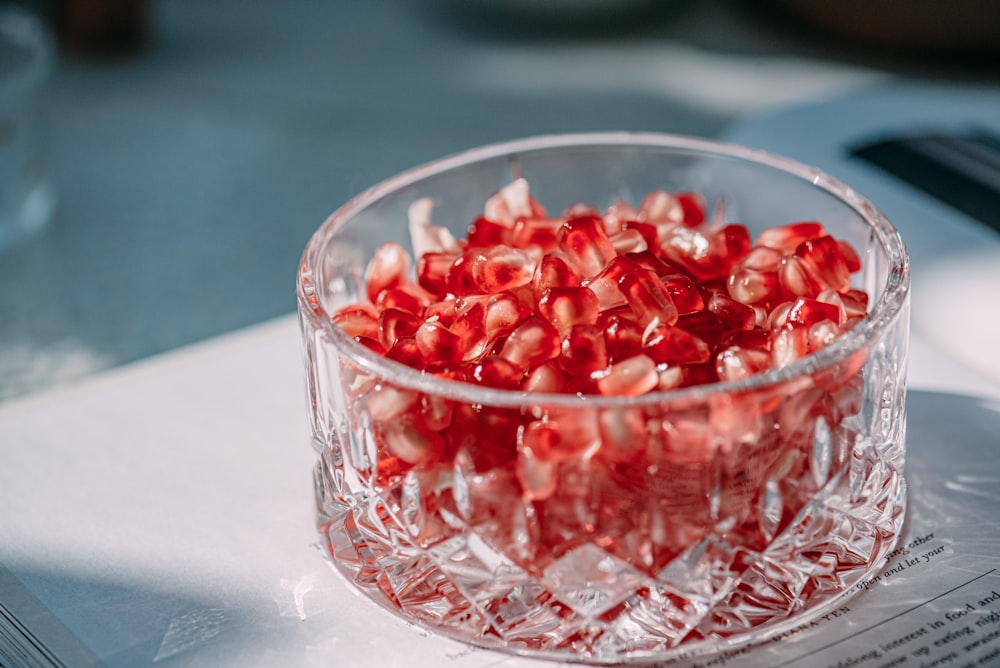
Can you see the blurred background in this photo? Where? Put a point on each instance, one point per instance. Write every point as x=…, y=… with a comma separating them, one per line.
x=189, y=148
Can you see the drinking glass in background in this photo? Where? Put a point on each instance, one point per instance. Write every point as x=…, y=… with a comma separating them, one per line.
x=26, y=56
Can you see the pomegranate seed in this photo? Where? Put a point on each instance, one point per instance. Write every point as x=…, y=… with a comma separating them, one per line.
x=737, y=363
x=822, y=334
x=432, y=272
x=584, y=351
x=411, y=443
x=445, y=311
x=566, y=307
x=460, y=278
x=630, y=377
x=371, y=344
x=606, y=284
x=502, y=268
x=539, y=232
x=538, y=478
x=617, y=215
x=586, y=245
x=546, y=378
x=533, y=342
x=503, y=312
x=358, y=320
x=494, y=371
x=683, y=293
x=755, y=339
x=389, y=267
x=674, y=345
x=558, y=439
x=661, y=207
x=511, y=202
x=850, y=256
x=790, y=343
x=647, y=296
x=825, y=262
x=705, y=325
x=552, y=271
x=628, y=241
x=484, y=233
x=425, y=237
x=694, y=208
x=796, y=279
x=754, y=279
x=779, y=315
x=405, y=297
x=810, y=311
x=786, y=238
x=648, y=232
x=623, y=434
x=406, y=351
x=622, y=335
x=834, y=298
x=855, y=303
x=439, y=343
x=394, y=324
x=733, y=315
x=388, y=402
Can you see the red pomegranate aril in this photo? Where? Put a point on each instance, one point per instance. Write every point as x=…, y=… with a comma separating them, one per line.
x=552, y=271
x=629, y=377
x=432, y=272
x=503, y=312
x=822, y=334
x=855, y=303
x=628, y=241
x=850, y=256
x=559, y=439
x=733, y=315
x=786, y=238
x=737, y=363
x=439, y=344
x=502, y=268
x=484, y=233
x=796, y=279
x=411, y=443
x=394, y=324
x=566, y=307
x=444, y=310
x=405, y=297
x=779, y=315
x=810, y=311
x=606, y=284
x=460, y=278
x=661, y=207
x=648, y=232
x=694, y=208
x=754, y=278
x=753, y=339
x=684, y=293
x=533, y=342
x=834, y=298
x=825, y=262
x=648, y=297
x=539, y=232
x=546, y=378
x=617, y=215
x=406, y=351
x=649, y=260
x=537, y=478
x=511, y=202
x=586, y=245
x=584, y=351
x=495, y=371
x=389, y=267
x=790, y=343
x=706, y=325
x=673, y=345
x=358, y=320
x=622, y=335
x=371, y=344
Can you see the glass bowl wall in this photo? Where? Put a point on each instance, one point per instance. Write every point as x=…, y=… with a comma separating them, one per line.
x=701, y=519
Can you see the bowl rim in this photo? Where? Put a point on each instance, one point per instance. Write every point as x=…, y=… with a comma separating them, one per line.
x=883, y=311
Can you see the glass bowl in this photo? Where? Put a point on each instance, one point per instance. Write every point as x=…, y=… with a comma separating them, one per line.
x=696, y=520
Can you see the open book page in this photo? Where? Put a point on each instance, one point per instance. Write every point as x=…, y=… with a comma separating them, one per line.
x=163, y=515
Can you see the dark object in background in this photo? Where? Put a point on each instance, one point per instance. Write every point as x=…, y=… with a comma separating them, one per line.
x=955, y=25
x=101, y=27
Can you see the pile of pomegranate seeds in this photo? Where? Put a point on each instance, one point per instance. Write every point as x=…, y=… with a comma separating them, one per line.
x=622, y=302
